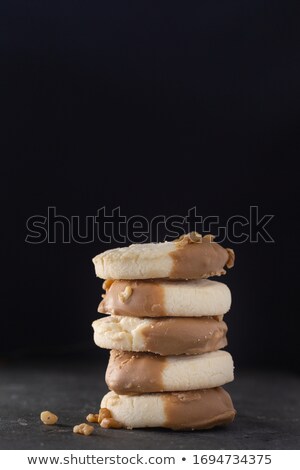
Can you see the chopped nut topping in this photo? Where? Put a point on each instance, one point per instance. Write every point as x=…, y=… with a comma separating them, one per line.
x=124, y=296
x=48, y=418
x=209, y=237
x=231, y=258
x=192, y=237
x=218, y=317
x=92, y=418
x=107, y=283
x=84, y=429
x=103, y=413
x=107, y=423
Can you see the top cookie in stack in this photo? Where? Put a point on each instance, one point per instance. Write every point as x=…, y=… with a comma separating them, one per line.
x=166, y=330
x=190, y=257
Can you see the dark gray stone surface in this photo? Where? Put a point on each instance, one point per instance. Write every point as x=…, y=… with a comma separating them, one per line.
x=267, y=404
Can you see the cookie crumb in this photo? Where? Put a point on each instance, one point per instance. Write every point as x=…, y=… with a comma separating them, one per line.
x=84, y=429
x=92, y=418
x=48, y=418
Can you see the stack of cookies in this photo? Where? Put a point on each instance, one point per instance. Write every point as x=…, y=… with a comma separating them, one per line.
x=166, y=332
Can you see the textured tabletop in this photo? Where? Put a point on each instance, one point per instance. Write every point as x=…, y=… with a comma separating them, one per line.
x=268, y=406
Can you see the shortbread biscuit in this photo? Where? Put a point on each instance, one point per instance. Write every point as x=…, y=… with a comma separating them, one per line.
x=129, y=372
x=190, y=257
x=163, y=336
x=193, y=298
x=199, y=409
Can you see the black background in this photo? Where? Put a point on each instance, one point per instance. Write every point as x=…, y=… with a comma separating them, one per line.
x=154, y=107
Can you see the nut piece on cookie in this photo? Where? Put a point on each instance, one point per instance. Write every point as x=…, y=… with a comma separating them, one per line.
x=231, y=259
x=192, y=237
x=124, y=296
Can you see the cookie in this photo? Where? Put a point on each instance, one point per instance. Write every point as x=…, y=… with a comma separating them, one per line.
x=193, y=298
x=163, y=336
x=199, y=409
x=190, y=257
x=129, y=372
